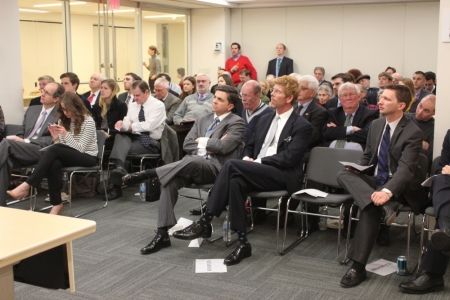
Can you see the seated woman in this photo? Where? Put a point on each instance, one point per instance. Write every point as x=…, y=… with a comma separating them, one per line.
x=409, y=83
x=264, y=91
x=75, y=144
x=324, y=93
x=109, y=110
x=189, y=87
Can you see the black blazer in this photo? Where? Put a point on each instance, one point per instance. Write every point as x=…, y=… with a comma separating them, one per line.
x=286, y=67
x=86, y=103
x=117, y=111
x=35, y=101
x=332, y=103
x=362, y=119
x=87, y=94
x=317, y=116
x=123, y=97
x=292, y=145
x=372, y=96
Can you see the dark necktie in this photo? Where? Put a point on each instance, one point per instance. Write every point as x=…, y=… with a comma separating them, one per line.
x=145, y=138
x=383, y=163
x=213, y=125
x=340, y=144
x=299, y=109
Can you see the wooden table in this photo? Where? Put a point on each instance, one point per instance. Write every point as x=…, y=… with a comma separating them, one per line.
x=26, y=233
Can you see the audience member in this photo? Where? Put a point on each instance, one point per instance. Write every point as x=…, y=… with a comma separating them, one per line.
x=271, y=80
x=244, y=76
x=215, y=138
x=419, y=89
x=324, y=93
x=264, y=91
x=43, y=80
x=376, y=193
x=355, y=72
x=238, y=62
x=220, y=71
x=180, y=75
x=384, y=79
x=171, y=103
x=281, y=65
x=396, y=77
x=108, y=110
x=145, y=115
x=319, y=73
x=94, y=84
x=272, y=161
x=423, y=118
x=128, y=80
x=347, y=125
x=189, y=87
x=337, y=80
x=430, y=82
x=390, y=70
x=154, y=66
x=409, y=83
x=371, y=93
x=75, y=129
x=71, y=82
x=174, y=88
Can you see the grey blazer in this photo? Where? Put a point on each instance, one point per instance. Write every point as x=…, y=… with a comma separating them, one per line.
x=31, y=117
x=171, y=104
x=403, y=155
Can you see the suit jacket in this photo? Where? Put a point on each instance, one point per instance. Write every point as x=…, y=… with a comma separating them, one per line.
x=123, y=97
x=317, y=116
x=31, y=117
x=87, y=94
x=332, y=103
x=117, y=111
x=35, y=101
x=403, y=155
x=362, y=119
x=171, y=104
x=222, y=150
x=422, y=95
x=286, y=67
x=292, y=145
x=445, y=153
x=86, y=103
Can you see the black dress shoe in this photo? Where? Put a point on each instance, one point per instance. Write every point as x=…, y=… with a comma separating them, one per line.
x=156, y=244
x=441, y=240
x=197, y=211
x=114, y=194
x=390, y=212
x=116, y=176
x=383, y=236
x=193, y=231
x=242, y=251
x=135, y=178
x=353, y=278
x=423, y=284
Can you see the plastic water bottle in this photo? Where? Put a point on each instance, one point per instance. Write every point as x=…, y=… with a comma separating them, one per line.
x=142, y=191
x=323, y=220
x=65, y=183
x=226, y=232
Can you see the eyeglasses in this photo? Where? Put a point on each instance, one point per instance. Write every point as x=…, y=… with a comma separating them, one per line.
x=347, y=95
x=64, y=109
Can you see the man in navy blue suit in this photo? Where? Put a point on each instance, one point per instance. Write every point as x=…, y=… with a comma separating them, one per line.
x=281, y=65
x=272, y=161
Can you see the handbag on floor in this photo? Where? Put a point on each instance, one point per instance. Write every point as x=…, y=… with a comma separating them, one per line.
x=153, y=190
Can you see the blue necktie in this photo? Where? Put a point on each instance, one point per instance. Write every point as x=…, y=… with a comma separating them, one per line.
x=213, y=125
x=278, y=66
x=145, y=137
x=383, y=163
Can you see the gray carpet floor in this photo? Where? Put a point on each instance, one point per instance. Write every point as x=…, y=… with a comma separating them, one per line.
x=108, y=264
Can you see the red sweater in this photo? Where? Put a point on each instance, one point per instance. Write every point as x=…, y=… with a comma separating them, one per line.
x=243, y=63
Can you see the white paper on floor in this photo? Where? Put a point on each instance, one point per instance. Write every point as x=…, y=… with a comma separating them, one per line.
x=181, y=224
x=196, y=243
x=382, y=267
x=209, y=266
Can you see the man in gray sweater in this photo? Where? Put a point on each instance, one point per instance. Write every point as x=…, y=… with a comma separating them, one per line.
x=196, y=104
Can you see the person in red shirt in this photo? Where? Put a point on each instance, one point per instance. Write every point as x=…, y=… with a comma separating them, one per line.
x=238, y=62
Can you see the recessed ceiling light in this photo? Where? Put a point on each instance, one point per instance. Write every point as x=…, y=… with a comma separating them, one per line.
x=221, y=2
x=33, y=11
x=164, y=17
x=58, y=4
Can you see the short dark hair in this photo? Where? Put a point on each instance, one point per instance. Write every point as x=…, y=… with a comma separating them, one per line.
x=237, y=44
x=384, y=74
x=135, y=77
x=402, y=93
x=59, y=90
x=244, y=72
x=165, y=75
x=343, y=76
x=181, y=71
x=420, y=72
x=430, y=76
x=231, y=91
x=392, y=68
x=142, y=85
x=72, y=77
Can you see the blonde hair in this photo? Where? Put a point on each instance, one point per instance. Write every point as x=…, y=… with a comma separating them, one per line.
x=112, y=84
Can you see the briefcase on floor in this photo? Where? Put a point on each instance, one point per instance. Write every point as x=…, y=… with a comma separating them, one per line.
x=152, y=189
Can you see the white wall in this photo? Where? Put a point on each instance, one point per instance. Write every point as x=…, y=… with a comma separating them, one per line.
x=176, y=50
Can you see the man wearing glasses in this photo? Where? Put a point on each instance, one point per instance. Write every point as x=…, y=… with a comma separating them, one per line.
x=23, y=148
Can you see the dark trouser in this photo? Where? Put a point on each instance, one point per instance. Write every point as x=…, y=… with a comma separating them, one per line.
x=435, y=261
x=235, y=180
x=125, y=145
x=151, y=84
x=50, y=164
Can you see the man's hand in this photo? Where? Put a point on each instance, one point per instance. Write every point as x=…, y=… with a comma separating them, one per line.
x=380, y=198
x=223, y=136
x=197, y=140
x=234, y=68
x=16, y=138
x=425, y=145
x=249, y=159
x=118, y=125
x=331, y=124
x=446, y=170
x=144, y=64
x=153, y=77
x=355, y=129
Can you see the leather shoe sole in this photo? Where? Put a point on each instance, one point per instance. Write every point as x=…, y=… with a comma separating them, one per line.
x=242, y=251
x=353, y=278
x=193, y=231
x=135, y=178
x=156, y=244
x=422, y=285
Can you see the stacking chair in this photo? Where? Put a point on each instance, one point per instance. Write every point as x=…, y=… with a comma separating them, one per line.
x=98, y=168
x=323, y=167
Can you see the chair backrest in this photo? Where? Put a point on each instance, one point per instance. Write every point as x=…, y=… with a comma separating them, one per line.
x=101, y=139
x=435, y=165
x=12, y=129
x=169, y=145
x=323, y=164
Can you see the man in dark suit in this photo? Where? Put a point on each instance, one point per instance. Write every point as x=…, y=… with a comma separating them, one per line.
x=128, y=80
x=71, y=82
x=23, y=149
x=372, y=93
x=281, y=65
x=347, y=125
x=272, y=161
x=393, y=148
x=419, y=89
x=435, y=260
x=43, y=80
x=214, y=138
x=95, y=82
x=430, y=82
x=171, y=102
x=337, y=80
x=319, y=73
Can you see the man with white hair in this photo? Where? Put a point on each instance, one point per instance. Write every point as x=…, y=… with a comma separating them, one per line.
x=348, y=125
x=171, y=102
x=95, y=83
x=196, y=104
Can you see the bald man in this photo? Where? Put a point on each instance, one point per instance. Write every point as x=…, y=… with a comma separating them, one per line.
x=94, y=84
